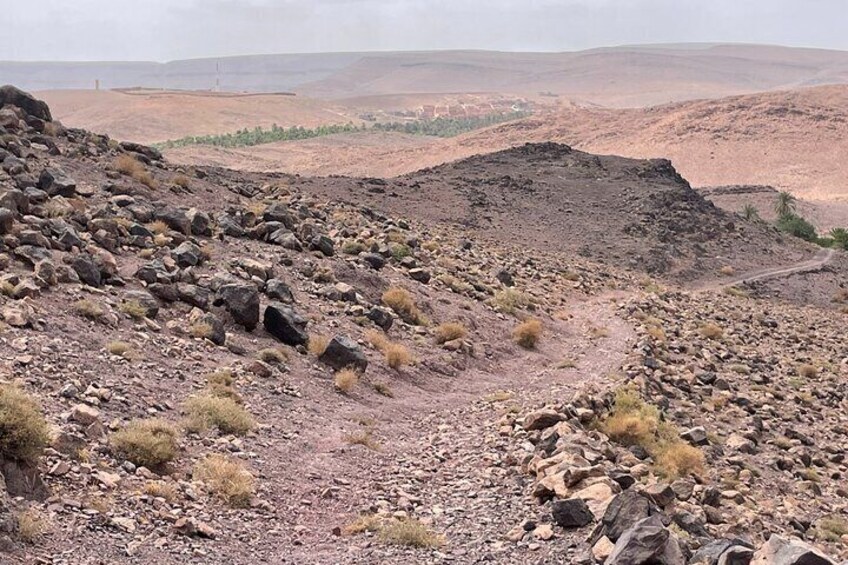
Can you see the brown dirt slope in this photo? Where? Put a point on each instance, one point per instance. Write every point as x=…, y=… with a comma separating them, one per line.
x=146, y=116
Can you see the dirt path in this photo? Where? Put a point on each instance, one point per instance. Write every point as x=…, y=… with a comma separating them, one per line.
x=450, y=465
x=821, y=259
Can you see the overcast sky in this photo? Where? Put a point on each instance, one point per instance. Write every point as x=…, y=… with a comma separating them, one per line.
x=163, y=30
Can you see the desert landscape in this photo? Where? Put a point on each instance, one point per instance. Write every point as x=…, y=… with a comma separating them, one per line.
x=426, y=307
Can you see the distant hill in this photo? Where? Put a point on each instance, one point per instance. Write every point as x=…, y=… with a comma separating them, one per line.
x=617, y=77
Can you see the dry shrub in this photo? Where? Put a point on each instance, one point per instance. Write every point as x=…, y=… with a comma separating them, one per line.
x=222, y=377
x=201, y=330
x=711, y=331
x=450, y=331
x=90, y=309
x=158, y=227
x=181, y=180
x=409, y=532
x=364, y=523
x=346, y=380
x=377, y=339
x=679, y=459
x=134, y=309
x=401, y=301
x=808, y=371
x=23, y=430
x=527, y=333
x=727, y=270
x=147, y=443
x=31, y=525
x=273, y=355
x=384, y=389
x=227, y=478
x=6, y=288
x=208, y=410
x=120, y=348
x=128, y=165
x=364, y=438
x=161, y=489
x=510, y=301
x=397, y=355
x=318, y=344
x=632, y=421
x=657, y=333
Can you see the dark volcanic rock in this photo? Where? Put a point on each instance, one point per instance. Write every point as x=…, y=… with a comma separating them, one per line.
x=242, y=302
x=571, y=513
x=343, y=352
x=285, y=324
x=26, y=102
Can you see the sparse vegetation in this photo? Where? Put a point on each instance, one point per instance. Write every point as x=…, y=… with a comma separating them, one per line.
x=134, y=309
x=397, y=355
x=401, y=301
x=90, y=310
x=208, y=410
x=181, y=180
x=509, y=301
x=808, y=371
x=161, y=489
x=132, y=167
x=120, y=348
x=726, y=271
x=147, y=443
x=409, y=532
x=31, y=525
x=364, y=438
x=23, y=429
x=750, y=212
x=226, y=478
x=318, y=344
x=449, y=127
x=527, y=333
x=712, y=331
x=352, y=248
x=345, y=380
x=632, y=421
x=450, y=331
x=201, y=330
x=832, y=529
x=273, y=355
x=384, y=389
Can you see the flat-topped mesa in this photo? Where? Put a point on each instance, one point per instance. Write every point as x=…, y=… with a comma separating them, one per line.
x=29, y=104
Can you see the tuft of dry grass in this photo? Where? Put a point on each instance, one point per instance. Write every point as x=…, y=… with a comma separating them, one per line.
x=23, y=429
x=120, y=348
x=712, y=331
x=632, y=421
x=450, y=331
x=832, y=529
x=90, y=310
x=377, y=339
x=226, y=478
x=726, y=270
x=31, y=525
x=158, y=227
x=6, y=288
x=318, y=344
x=401, y=301
x=161, y=489
x=128, y=165
x=181, y=180
x=527, y=333
x=134, y=309
x=364, y=438
x=509, y=301
x=409, y=532
x=363, y=523
x=147, y=443
x=201, y=330
x=808, y=371
x=397, y=355
x=384, y=389
x=345, y=380
x=208, y=410
x=273, y=355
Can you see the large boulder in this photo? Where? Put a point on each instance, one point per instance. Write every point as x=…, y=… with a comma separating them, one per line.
x=647, y=542
x=25, y=101
x=781, y=551
x=241, y=301
x=625, y=510
x=724, y=552
x=343, y=352
x=571, y=513
x=56, y=182
x=285, y=324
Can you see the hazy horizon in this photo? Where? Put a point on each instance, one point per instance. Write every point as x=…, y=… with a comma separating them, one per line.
x=168, y=30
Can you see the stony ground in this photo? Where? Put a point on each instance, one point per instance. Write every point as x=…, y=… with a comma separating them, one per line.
x=128, y=281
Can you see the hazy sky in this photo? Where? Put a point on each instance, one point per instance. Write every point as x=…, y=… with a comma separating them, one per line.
x=176, y=29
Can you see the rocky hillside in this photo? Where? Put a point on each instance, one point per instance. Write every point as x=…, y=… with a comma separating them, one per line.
x=634, y=214
x=201, y=365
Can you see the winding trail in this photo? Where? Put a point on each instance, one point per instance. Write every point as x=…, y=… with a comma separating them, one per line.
x=821, y=259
